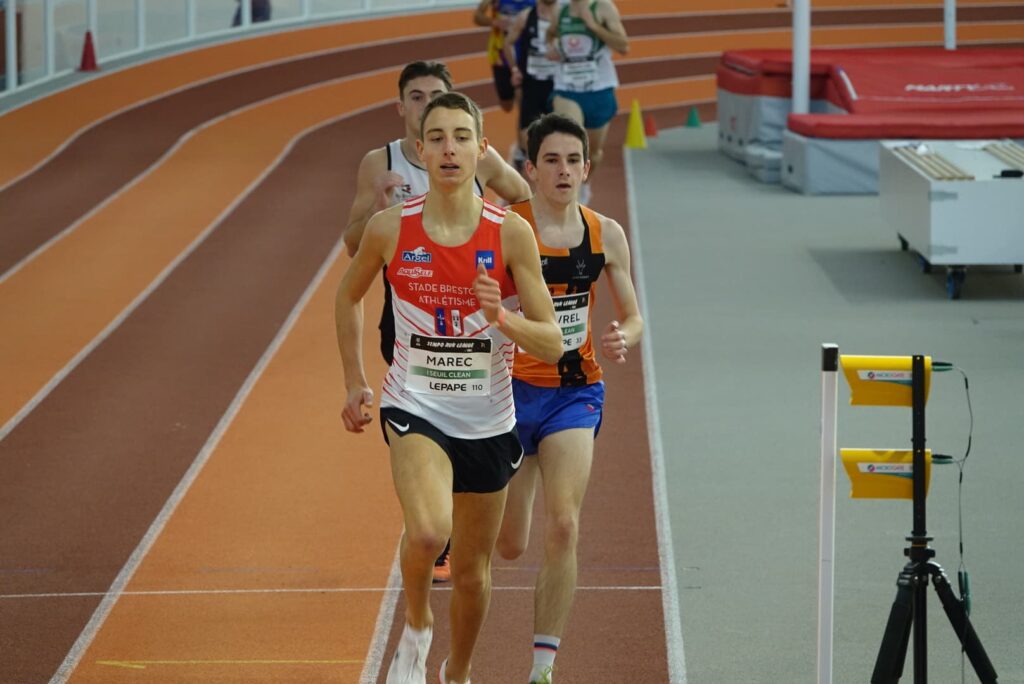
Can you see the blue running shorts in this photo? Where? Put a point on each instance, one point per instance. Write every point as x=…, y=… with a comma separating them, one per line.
x=541, y=411
x=599, y=107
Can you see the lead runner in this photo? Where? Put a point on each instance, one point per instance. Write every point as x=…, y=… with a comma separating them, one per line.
x=456, y=265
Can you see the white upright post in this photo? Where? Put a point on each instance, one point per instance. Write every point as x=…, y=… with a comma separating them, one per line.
x=801, y=56
x=92, y=20
x=246, y=13
x=827, y=509
x=949, y=23
x=307, y=8
x=91, y=17
x=190, y=19
x=11, y=39
x=49, y=43
x=140, y=24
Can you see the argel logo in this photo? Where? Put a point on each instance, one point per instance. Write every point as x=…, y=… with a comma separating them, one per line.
x=419, y=255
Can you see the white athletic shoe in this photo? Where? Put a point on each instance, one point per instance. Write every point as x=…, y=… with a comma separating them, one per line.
x=409, y=666
x=442, y=673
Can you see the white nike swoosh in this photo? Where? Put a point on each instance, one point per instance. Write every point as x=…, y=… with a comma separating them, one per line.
x=400, y=428
x=518, y=462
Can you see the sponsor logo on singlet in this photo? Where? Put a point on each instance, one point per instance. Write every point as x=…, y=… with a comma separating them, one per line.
x=485, y=257
x=415, y=272
x=420, y=255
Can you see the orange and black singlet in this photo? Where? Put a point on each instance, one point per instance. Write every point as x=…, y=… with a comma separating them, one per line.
x=571, y=276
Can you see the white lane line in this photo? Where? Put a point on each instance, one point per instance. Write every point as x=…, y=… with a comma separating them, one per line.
x=116, y=590
x=392, y=590
x=385, y=618
x=666, y=553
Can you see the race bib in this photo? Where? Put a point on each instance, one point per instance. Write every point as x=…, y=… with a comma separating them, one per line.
x=537, y=63
x=579, y=75
x=571, y=312
x=449, y=366
x=540, y=67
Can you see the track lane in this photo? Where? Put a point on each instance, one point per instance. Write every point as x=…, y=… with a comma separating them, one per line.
x=616, y=630
x=279, y=506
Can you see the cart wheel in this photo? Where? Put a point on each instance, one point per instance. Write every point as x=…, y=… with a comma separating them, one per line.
x=904, y=245
x=926, y=266
x=1017, y=268
x=955, y=281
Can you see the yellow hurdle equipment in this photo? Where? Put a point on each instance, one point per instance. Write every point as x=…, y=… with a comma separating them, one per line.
x=883, y=380
x=635, y=137
x=883, y=473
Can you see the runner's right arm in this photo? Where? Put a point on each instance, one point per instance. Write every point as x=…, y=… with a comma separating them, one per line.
x=380, y=237
x=509, y=47
x=374, y=184
x=606, y=25
x=498, y=175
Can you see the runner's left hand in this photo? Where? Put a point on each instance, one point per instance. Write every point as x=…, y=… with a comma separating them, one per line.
x=488, y=293
x=613, y=343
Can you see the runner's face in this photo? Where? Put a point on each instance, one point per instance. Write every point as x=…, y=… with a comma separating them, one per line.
x=418, y=92
x=560, y=169
x=450, y=148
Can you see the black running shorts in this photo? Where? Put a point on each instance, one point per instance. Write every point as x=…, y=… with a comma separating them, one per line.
x=479, y=466
x=536, y=101
x=503, y=83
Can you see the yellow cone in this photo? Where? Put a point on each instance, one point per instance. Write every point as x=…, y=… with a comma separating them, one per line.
x=635, y=136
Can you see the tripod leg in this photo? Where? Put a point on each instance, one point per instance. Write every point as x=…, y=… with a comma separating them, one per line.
x=893, y=651
x=962, y=626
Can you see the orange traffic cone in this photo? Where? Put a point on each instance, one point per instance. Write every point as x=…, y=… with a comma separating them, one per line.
x=650, y=126
x=88, y=54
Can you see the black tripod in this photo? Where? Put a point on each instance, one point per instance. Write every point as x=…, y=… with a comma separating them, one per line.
x=910, y=606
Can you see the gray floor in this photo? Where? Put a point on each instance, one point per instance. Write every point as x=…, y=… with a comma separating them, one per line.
x=743, y=283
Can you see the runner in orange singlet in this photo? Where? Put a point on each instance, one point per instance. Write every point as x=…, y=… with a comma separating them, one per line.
x=559, y=405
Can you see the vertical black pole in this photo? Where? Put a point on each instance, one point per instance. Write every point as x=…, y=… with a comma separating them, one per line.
x=917, y=397
x=919, y=552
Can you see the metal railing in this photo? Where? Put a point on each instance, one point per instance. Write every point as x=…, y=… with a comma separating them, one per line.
x=44, y=39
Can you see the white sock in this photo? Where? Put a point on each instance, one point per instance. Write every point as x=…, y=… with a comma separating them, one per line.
x=545, y=648
x=417, y=635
